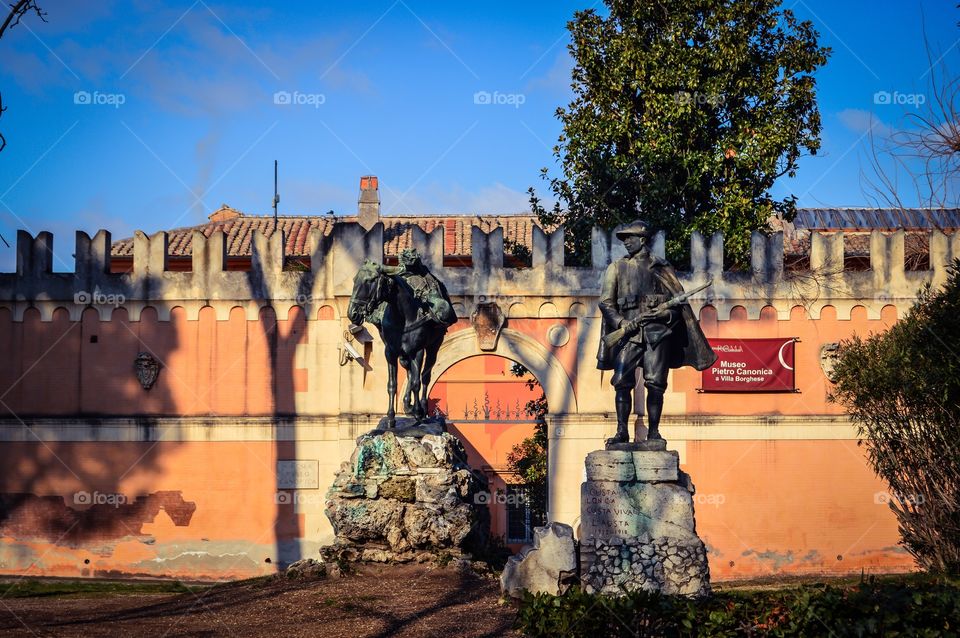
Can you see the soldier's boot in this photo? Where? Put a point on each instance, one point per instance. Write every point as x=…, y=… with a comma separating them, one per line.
x=624, y=405
x=654, y=409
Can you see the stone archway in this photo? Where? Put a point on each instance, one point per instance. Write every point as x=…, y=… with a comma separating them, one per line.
x=521, y=348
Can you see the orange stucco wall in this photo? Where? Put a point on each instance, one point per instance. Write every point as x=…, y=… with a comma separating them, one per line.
x=197, y=501
x=791, y=507
x=788, y=506
x=232, y=367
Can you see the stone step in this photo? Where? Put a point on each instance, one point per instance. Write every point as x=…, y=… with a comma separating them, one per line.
x=625, y=466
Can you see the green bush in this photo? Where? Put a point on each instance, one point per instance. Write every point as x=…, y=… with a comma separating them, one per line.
x=898, y=607
x=902, y=389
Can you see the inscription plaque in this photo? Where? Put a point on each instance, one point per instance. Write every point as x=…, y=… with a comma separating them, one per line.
x=298, y=475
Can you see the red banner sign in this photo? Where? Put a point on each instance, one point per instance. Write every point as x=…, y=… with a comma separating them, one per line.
x=751, y=365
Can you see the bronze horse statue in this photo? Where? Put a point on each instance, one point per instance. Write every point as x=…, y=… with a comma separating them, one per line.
x=411, y=310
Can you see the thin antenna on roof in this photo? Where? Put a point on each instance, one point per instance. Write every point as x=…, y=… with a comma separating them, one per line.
x=276, y=195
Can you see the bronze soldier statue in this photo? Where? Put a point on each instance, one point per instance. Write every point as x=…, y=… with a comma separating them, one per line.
x=646, y=324
x=426, y=287
x=411, y=309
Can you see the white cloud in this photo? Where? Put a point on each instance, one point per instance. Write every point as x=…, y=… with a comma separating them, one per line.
x=557, y=77
x=860, y=122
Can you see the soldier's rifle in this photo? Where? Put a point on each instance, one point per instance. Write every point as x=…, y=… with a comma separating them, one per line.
x=630, y=328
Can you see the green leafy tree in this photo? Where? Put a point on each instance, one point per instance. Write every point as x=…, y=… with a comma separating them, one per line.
x=688, y=110
x=902, y=388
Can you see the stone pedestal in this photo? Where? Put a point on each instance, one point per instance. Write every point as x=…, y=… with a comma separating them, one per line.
x=637, y=527
x=406, y=494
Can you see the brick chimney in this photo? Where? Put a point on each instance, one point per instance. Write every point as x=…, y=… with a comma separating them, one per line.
x=368, y=205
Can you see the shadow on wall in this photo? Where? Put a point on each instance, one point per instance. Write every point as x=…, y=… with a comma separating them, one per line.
x=282, y=341
x=75, y=482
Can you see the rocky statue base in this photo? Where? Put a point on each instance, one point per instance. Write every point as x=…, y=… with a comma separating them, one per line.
x=637, y=526
x=406, y=494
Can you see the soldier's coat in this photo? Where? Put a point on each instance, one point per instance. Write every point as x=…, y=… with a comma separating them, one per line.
x=687, y=344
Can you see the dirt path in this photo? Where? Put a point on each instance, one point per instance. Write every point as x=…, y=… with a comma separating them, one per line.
x=406, y=600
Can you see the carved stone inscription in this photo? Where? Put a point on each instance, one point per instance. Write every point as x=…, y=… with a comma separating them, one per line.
x=606, y=513
x=623, y=509
x=298, y=475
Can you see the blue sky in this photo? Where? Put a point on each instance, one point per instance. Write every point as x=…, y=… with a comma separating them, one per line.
x=140, y=114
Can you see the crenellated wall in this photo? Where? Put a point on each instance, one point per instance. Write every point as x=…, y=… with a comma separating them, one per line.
x=251, y=375
x=335, y=258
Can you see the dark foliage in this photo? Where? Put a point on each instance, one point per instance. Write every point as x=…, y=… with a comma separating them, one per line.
x=898, y=607
x=902, y=388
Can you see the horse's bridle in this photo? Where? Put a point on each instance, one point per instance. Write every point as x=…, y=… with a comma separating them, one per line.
x=366, y=305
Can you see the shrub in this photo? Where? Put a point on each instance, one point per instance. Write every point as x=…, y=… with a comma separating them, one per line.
x=902, y=389
x=892, y=607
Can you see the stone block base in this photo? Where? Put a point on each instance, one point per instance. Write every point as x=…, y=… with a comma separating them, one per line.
x=637, y=526
x=625, y=465
x=667, y=565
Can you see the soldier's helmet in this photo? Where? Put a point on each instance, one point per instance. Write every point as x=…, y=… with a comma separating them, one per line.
x=636, y=227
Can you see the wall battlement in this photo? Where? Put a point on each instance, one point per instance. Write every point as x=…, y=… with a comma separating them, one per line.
x=547, y=288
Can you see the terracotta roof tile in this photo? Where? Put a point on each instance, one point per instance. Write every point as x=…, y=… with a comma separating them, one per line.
x=857, y=222
x=397, y=232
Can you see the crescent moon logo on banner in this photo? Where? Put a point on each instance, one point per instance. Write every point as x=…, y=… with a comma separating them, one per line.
x=780, y=355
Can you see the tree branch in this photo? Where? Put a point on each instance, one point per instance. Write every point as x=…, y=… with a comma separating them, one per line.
x=17, y=10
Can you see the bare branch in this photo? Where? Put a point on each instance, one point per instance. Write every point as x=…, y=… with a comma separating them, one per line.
x=17, y=10
x=921, y=157
x=3, y=140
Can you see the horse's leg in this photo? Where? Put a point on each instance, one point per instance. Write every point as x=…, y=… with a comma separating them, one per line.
x=413, y=376
x=426, y=371
x=391, y=388
x=407, y=407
